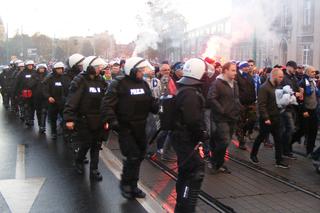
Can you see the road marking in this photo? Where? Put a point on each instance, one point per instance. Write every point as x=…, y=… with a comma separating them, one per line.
x=20, y=163
x=150, y=203
x=20, y=193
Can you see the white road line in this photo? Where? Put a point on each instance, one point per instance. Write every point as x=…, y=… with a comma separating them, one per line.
x=150, y=203
x=20, y=163
x=20, y=193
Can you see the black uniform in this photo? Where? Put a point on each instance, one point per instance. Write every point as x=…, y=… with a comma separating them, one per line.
x=40, y=101
x=24, y=86
x=83, y=108
x=5, y=87
x=125, y=107
x=55, y=86
x=16, y=102
x=189, y=130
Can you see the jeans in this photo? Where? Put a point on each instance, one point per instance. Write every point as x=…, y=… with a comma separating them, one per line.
x=222, y=137
x=264, y=131
x=311, y=129
x=288, y=121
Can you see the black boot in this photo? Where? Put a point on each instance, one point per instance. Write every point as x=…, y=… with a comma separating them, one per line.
x=95, y=175
x=138, y=193
x=126, y=191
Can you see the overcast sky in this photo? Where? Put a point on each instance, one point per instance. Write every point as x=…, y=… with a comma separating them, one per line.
x=64, y=18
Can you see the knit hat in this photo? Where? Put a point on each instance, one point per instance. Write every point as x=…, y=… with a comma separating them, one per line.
x=217, y=64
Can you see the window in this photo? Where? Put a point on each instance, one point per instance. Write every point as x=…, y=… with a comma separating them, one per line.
x=287, y=19
x=307, y=13
x=306, y=56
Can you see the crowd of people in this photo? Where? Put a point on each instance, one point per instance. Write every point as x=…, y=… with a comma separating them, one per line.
x=199, y=103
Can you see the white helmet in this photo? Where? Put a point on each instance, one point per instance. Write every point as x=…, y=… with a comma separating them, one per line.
x=58, y=65
x=18, y=61
x=21, y=64
x=92, y=61
x=41, y=66
x=194, y=68
x=134, y=63
x=29, y=62
x=75, y=59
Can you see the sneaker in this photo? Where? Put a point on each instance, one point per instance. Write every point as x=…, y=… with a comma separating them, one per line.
x=95, y=175
x=160, y=151
x=282, y=165
x=224, y=169
x=290, y=156
x=254, y=159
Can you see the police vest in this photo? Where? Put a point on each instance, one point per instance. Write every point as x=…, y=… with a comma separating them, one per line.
x=92, y=96
x=134, y=100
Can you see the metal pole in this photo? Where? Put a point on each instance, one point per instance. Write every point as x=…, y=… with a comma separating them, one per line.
x=255, y=45
x=7, y=43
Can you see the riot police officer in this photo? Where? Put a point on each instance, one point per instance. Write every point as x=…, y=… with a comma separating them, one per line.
x=189, y=130
x=40, y=101
x=5, y=86
x=82, y=113
x=55, y=90
x=75, y=66
x=16, y=102
x=125, y=108
x=24, y=86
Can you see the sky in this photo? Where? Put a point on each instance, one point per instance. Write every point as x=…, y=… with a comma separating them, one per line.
x=65, y=18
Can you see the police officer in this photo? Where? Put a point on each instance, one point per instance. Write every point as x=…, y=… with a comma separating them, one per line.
x=125, y=108
x=5, y=86
x=25, y=84
x=75, y=65
x=189, y=130
x=40, y=101
x=55, y=90
x=17, y=105
x=82, y=113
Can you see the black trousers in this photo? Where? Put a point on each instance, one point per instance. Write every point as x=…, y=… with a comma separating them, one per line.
x=5, y=99
x=275, y=130
x=247, y=120
x=28, y=107
x=133, y=146
x=41, y=112
x=54, y=111
x=190, y=171
x=311, y=129
x=94, y=147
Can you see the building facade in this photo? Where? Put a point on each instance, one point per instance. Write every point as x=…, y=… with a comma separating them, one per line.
x=296, y=37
